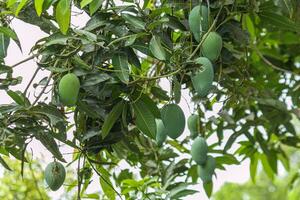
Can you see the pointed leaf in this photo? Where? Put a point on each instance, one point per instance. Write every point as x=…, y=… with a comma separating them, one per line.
x=48, y=141
x=95, y=5
x=4, y=42
x=111, y=118
x=4, y=164
x=208, y=187
x=134, y=21
x=84, y=3
x=38, y=4
x=63, y=15
x=157, y=49
x=11, y=34
x=253, y=166
x=144, y=119
x=120, y=63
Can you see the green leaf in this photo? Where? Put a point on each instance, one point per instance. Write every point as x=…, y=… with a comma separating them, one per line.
x=120, y=63
x=18, y=97
x=181, y=190
x=111, y=118
x=279, y=21
x=48, y=141
x=20, y=6
x=227, y=159
x=157, y=49
x=4, y=42
x=253, y=166
x=63, y=15
x=4, y=164
x=176, y=90
x=144, y=119
x=266, y=166
x=11, y=34
x=95, y=5
x=51, y=112
x=208, y=187
x=84, y=3
x=106, y=184
x=38, y=4
x=134, y=21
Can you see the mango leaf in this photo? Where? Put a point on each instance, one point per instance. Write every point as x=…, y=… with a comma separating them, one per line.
x=18, y=97
x=106, y=184
x=279, y=21
x=4, y=42
x=253, y=166
x=156, y=48
x=38, y=4
x=11, y=34
x=51, y=112
x=84, y=3
x=208, y=187
x=20, y=6
x=120, y=63
x=112, y=118
x=267, y=168
x=176, y=90
x=134, y=21
x=180, y=191
x=94, y=6
x=63, y=15
x=144, y=119
x=48, y=141
x=4, y=164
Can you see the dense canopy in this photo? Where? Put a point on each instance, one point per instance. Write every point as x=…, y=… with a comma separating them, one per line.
x=120, y=58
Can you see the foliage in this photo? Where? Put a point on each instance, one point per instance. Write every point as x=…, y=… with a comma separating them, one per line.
x=121, y=55
x=30, y=186
x=285, y=187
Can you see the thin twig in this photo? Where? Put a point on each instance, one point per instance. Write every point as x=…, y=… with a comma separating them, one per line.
x=43, y=90
x=110, y=185
x=272, y=65
x=25, y=60
x=31, y=80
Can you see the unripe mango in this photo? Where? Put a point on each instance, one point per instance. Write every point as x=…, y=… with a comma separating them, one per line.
x=199, y=21
x=212, y=46
x=173, y=119
x=55, y=175
x=193, y=125
x=207, y=170
x=203, y=79
x=161, y=134
x=68, y=89
x=199, y=151
x=204, y=175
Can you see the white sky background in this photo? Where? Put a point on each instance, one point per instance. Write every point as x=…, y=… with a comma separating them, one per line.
x=28, y=36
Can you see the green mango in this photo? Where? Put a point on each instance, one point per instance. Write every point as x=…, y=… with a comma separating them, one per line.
x=55, y=175
x=203, y=79
x=204, y=175
x=68, y=89
x=161, y=134
x=173, y=119
x=193, y=125
x=199, y=151
x=207, y=170
x=212, y=46
x=199, y=24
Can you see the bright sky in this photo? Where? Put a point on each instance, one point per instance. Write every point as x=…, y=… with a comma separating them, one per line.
x=28, y=36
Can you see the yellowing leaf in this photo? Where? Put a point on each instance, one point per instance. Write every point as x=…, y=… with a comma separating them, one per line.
x=38, y=4
x=84, y=3
x=63, y=15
